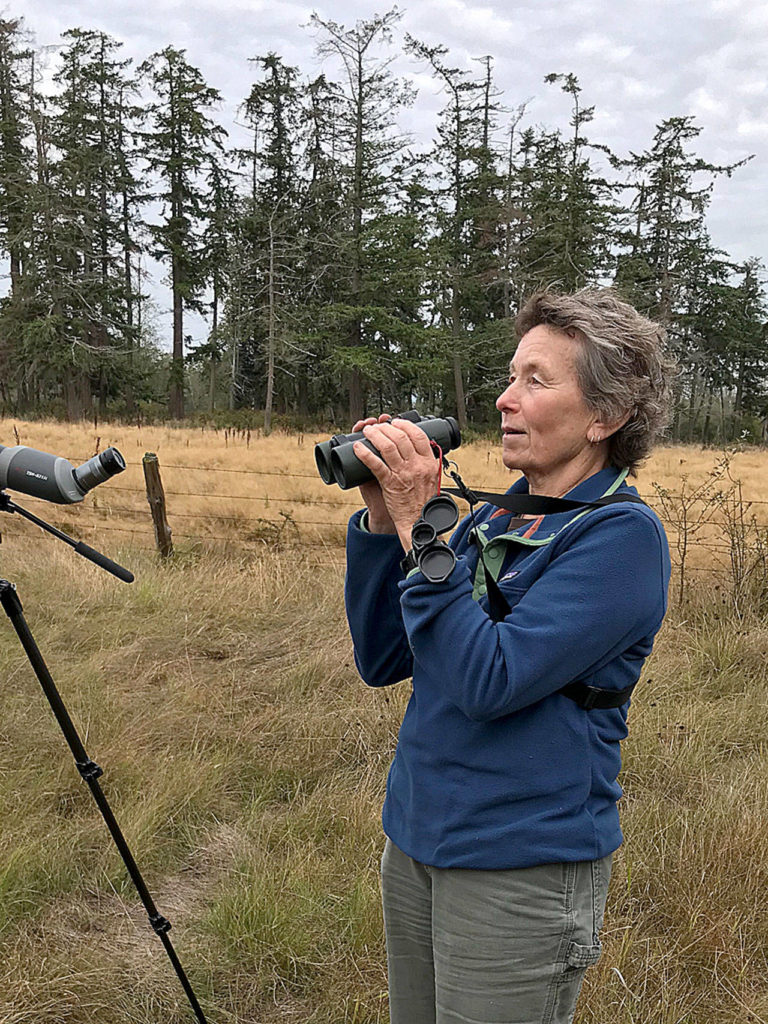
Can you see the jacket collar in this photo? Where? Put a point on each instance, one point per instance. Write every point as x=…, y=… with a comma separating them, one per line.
x=594, y=486
x=605, y=481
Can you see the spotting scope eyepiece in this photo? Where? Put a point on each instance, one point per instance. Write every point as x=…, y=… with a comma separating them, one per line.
x=338, y=464
x=52, y=477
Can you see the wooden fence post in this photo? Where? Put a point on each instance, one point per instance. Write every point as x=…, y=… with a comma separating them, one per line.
x=156, y=499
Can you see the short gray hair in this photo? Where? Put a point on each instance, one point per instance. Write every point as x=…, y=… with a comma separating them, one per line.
x=622, y=365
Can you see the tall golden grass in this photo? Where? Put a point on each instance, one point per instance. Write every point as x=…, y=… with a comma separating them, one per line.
x=246, y=762
x=235, y=487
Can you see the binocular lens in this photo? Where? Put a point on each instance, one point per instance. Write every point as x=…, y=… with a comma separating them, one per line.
x=323, y=462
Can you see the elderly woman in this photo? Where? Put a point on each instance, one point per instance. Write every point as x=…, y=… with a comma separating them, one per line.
x=500, y=809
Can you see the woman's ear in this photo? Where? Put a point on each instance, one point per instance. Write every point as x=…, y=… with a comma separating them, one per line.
x=603, y=429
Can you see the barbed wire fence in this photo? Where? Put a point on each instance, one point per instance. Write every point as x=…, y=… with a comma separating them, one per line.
x=676, y=510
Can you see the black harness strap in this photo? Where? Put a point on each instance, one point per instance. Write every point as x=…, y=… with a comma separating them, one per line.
x=587, y=697
x=541, y=504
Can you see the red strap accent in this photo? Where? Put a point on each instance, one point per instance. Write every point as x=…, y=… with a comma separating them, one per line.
x=439, y=451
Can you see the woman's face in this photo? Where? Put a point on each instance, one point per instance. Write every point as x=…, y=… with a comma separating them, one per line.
x=545, y=422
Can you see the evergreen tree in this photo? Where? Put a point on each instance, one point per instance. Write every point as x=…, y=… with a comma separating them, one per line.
x=669, y=268
x=16, y=161
x=95, y=182
x=368, y=146
x=269, y=243
x=15, y=130
x=181, y=143
x=565, y=207
x=667, y=216
x=467, y=290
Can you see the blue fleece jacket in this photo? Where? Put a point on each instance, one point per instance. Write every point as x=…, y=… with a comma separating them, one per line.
x=494, y=768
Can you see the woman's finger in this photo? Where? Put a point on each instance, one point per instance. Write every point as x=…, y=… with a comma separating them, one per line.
x=379, y=468
x=370, y=421
x=402, y=442
x=419, y=439
x=363, y=423
x=384, y=438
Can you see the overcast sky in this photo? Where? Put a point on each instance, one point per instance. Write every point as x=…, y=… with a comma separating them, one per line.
x=637, y=62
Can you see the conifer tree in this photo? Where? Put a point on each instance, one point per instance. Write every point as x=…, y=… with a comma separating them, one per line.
x=673, y=188
x=90, y=127
x=468, y=211
x=181, y=142
x=15, y=130
x=16, y=162
x=368, y=147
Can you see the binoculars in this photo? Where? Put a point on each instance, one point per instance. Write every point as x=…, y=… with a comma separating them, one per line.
x=338, y=464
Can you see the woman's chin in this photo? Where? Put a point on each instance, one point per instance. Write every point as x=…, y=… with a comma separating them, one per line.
x=512, y=463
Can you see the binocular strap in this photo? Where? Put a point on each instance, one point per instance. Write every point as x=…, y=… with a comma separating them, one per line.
x=587, y=697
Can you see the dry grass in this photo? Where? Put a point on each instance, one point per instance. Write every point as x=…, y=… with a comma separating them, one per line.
x=246, y=764
x=227, y=487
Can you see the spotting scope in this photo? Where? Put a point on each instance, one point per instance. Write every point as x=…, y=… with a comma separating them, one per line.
x=51, y=477
x=338, y=464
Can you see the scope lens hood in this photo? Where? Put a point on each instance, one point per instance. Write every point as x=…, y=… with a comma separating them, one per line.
x=98, y=469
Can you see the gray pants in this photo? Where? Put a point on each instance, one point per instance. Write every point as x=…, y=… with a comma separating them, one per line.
x=489, y=947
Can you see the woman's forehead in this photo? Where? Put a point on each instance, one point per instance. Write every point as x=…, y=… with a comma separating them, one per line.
x=544, y=348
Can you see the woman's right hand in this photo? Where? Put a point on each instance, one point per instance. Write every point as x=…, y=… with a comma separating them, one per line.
x=379, y=519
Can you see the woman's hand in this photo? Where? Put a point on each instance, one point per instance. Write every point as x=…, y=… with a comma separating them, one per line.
x=379, y=520
x=408, y=475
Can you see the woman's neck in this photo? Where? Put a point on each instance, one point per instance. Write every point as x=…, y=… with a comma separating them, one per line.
x=560, y=481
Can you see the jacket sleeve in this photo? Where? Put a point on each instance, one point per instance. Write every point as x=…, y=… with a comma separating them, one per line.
x=372, y=599
x=597, y=597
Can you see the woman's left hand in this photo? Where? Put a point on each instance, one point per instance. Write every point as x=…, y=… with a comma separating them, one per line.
x=408, y=475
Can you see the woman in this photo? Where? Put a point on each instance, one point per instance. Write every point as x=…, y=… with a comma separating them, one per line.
x=500, y=810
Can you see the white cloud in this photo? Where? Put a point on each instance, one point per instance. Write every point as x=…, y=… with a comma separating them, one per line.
x=602, y=48
x=639, y=89
x=752, y=126
x=703, y=103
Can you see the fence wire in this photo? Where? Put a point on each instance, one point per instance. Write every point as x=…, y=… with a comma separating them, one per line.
x=95, y=515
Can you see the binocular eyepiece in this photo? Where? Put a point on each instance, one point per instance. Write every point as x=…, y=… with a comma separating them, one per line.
x=338, y=464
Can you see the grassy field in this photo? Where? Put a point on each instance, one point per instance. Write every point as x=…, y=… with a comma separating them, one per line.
x=246, y=761
x=227, y=487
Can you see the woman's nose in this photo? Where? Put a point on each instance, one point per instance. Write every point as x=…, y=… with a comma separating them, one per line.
x=507, y=398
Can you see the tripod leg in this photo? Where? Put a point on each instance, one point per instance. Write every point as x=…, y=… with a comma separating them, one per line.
x=91, y=772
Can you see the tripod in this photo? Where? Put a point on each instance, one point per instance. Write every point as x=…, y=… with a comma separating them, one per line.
x=88, y=769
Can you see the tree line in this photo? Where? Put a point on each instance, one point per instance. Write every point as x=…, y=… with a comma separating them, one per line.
x=341, y=269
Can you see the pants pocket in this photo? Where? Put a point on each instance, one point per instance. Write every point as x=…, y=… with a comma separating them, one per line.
x=580, y=956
